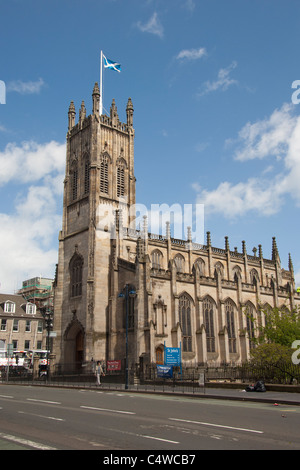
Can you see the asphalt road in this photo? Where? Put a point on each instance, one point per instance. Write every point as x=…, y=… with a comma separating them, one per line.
x=43, y=418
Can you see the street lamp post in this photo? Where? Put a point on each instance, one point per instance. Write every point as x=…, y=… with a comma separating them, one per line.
x=48, y=317
x=128, y=293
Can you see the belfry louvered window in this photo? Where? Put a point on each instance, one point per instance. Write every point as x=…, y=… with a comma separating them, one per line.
x=86, y=177
x=120, y=181
x=104, y=175
x=74, y=184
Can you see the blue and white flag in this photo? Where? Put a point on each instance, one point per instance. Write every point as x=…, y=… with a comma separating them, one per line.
x=110, y=64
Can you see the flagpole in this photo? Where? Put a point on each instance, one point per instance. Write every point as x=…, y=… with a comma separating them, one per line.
x=101, y=85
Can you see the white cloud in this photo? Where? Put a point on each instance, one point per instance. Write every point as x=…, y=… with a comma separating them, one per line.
x=29, y=232
x=192, y=54
x=278, y=135
x=223, y=81
x=31, y=161
x=25, y=88
x=153, y=26
x=267, y=137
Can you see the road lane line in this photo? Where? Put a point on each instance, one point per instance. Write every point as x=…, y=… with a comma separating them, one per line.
x=41, y=416
x=106, y=409
x=6, y=396
x=44, y=401
x=158, y=439
x=217, y=425
x=26, y=442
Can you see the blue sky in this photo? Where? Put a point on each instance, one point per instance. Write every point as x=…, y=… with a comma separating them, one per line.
x=215, y=117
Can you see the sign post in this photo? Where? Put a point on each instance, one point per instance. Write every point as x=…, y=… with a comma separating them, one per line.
x=172, y=356
x=9, y=356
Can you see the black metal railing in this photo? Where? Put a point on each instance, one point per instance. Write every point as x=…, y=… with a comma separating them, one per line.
x=188, y=377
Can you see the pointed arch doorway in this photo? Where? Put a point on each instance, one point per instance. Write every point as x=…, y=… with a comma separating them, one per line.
x=74, y=345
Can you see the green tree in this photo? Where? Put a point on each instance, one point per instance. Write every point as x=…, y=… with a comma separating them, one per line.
x=281, y=326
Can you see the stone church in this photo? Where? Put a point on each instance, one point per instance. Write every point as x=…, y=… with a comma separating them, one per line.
x=116, y=281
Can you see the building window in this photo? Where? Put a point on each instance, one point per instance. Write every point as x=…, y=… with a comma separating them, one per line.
x=76, y=275
x=185, y=321
x=39, y=345
x=229, y=313
x=179, y=263
x=16, y=325
x=40, y=327
x=27, y=344
x=120, y=181
x=250, y=325
x=199, y=263
x=74, y=183
x=209, y=325
x=28, y=326
x=15, y=344
x=3, y=324
x=156, y=259
x=9, y=307
x=31, y=309
x=104, y=175
x=86, y=177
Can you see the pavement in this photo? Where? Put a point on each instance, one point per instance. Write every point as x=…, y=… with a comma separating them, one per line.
x=221, y=393
x=273, y=397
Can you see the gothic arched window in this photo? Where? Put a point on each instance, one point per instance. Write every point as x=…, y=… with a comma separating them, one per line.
x=229, y=315
x=250, y=311
x=76, y=266
x=179, y=263
x=199, y=263
x=185, y=321
x=209, y=324
x=156, y=258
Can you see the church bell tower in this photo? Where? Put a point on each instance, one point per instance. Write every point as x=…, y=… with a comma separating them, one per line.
x=99, y=179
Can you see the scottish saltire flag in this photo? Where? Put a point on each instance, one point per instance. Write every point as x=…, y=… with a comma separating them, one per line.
x=110, y=64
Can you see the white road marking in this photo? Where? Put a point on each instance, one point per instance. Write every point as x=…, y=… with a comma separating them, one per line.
x=107, y=409
x=26, y=442
x=6, y=396
x=41, y=416
x=44, y=401
x=216, y=425
x=158, y=439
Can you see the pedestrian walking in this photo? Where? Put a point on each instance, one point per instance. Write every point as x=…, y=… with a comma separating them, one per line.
x=98, y=372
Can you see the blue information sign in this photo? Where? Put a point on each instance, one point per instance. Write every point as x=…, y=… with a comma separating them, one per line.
x=172, y=356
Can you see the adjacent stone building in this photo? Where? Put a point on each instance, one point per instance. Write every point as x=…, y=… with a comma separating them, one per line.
x=179, y=292
x=21, y=324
